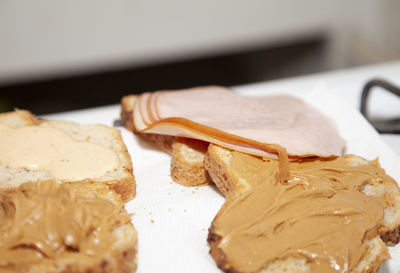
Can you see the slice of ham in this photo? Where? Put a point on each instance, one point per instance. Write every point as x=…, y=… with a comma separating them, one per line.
x=247, y=124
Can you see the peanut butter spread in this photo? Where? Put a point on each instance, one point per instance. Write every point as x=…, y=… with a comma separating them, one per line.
x=45, y=148
x=319, y=214
x=43, y=222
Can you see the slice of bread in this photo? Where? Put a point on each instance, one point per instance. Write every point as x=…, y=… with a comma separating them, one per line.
x=187, y=166
x=187, y=155
x=232, y=183
x=110, y=190
x=120, y=180
x=64, y=249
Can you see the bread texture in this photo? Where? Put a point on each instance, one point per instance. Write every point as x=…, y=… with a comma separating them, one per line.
x=187, y=155
x=120, y=180
x=217, y=162
x=187, y=166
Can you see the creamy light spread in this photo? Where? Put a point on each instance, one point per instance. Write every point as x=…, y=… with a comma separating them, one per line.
x=45, y=148
x=320, y=214
x=46, y=221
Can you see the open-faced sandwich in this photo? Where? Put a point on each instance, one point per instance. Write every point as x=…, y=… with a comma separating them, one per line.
x=294, y=201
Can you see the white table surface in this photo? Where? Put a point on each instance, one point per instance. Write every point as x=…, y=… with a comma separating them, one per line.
x=346, y=84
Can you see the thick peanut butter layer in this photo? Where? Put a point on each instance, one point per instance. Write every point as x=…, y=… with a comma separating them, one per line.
x=320, y=214
x=43, y=222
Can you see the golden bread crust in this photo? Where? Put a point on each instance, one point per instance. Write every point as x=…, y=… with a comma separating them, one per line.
x=187, y=166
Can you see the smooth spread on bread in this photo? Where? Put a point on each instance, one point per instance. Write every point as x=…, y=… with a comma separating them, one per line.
x=120, y=179
x=236, y=181
x=187, y=155
x=50, y=227
x=52, y=222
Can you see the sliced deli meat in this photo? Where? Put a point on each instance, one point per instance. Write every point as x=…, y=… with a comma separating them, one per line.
x=254, y=125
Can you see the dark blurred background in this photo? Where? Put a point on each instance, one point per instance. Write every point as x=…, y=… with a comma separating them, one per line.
x=59, y=56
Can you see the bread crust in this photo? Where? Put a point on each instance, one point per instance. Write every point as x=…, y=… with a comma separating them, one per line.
x=187, y=166
x=127, y=104
x=216, y=253
x=392, y=236
x=24, y=118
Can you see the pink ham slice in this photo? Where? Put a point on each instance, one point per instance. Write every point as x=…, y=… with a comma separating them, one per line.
x=220, y=116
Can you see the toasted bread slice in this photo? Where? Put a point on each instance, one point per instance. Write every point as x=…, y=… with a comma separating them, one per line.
x=187, y=166
x=120, y=180
x=232, y=184
x=187, y=155
x=65, y=249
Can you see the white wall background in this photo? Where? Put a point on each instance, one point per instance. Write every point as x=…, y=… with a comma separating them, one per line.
x=49, y=37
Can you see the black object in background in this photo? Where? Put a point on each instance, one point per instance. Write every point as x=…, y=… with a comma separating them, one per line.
x=383, y=126
x=91, y=90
